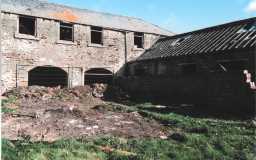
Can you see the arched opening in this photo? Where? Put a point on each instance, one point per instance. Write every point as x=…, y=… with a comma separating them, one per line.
x=98, y=75
x=48, y=77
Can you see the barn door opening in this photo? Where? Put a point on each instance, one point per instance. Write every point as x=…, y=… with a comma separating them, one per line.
x=98, y=75
x=48, y=77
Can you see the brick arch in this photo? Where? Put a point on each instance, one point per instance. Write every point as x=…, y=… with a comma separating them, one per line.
x=98, y=75
x=48, y=76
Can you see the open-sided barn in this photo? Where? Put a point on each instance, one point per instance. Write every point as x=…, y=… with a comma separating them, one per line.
x=202, y=67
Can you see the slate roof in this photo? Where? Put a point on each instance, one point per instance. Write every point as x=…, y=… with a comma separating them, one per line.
x=83, y=16
x=231, y=36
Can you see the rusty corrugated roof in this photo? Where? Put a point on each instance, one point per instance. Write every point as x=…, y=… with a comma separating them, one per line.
x=231, y=36
x=83, y=16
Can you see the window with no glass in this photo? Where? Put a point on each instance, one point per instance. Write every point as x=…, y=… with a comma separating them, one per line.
x=27, y=25
x=66, y=32
x=138, y=39
x=96, y=35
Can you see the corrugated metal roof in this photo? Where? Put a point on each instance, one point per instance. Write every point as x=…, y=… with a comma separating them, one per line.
x=231, y=36
x=83, y=16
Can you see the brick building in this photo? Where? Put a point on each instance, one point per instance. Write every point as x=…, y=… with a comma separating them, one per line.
x=49, y=44
x=204, y=67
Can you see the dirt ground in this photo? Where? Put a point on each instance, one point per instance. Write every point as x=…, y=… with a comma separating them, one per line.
x=49, y=114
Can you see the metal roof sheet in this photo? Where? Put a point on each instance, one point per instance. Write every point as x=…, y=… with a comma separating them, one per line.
x=231, y=36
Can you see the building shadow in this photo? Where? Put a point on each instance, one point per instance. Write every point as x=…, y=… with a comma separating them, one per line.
x=164, y=105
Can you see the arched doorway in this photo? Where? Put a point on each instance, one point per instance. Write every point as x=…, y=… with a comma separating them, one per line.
x=47, y=76
x=98, y=75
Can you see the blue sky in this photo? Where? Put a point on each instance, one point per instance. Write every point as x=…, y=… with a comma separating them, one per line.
x=175, y=15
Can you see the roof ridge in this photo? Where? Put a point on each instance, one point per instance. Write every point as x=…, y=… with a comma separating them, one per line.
x=89, y=10
x=127, y=22
x=208, y=41
x=212, y=27
x=101, y=12
x=112, y=14
x=156, y=25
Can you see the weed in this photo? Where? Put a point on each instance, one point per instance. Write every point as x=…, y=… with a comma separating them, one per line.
x=6, y=102
x=8, y=110
x=9, y=100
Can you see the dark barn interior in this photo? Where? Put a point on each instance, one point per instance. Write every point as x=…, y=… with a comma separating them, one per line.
x=98, y=75
x=48, y=77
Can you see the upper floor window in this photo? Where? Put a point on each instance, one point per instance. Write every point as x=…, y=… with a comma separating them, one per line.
x=27, y=25
x=139, y=39
x=66, y=31
x=96, y=35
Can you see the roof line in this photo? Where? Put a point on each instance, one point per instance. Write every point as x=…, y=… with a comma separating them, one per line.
x=86, y=24
x=156, y=26
x=84, y=9
x=217, y=39
x=210, y=28
x=39, y=4
x=107, y=13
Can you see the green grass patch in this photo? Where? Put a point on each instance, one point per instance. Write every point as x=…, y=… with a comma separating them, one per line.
x=197, y=147
x=9, y=100
x=206, y=138
x=6, y=102
x=8, y=110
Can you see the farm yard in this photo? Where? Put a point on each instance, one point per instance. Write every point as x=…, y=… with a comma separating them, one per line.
x=81, y=84
x=99, y=122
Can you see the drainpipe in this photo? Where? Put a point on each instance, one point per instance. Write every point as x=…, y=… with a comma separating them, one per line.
x=16, y=75
x=125, y=47
x=125, y=53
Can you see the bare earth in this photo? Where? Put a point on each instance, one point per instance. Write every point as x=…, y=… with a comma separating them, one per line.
x=49, y=114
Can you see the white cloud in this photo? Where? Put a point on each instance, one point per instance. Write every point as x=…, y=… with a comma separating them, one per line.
x=251, y=7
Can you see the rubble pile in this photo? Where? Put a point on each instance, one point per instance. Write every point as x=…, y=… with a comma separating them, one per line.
x=49, y=114
x=45, y=93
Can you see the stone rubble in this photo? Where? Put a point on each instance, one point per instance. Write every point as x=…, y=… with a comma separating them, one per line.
x=49, y=114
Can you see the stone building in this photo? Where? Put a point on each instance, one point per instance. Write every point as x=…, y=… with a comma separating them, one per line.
x=204, y=67
x=49, y=44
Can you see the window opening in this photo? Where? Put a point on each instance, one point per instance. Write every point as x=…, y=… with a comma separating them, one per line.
x=96, y=35
x=66, y=31
x=27, y=25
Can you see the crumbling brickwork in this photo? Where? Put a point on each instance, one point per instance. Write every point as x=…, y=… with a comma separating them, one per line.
x=21, y=53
